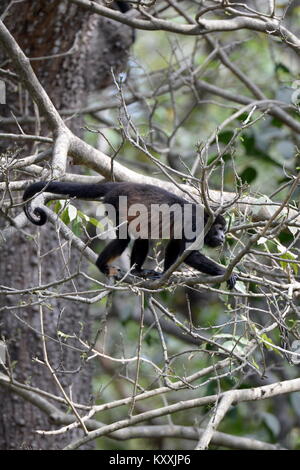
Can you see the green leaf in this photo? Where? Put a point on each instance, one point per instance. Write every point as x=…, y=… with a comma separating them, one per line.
x=57, y=207
x=96, y=223
x=65, y=217
x=261, y=240
x=268, y=343
x=83, y=216
x=282, y=67
x=77, y=227
x=72, y=212
x=63, y=335
x=249, y=142
x=293, y=230
x=248, y=175
x=287, y=255
x=241, y=287
x=225, y=137
x=103, y=300
x=266, y=338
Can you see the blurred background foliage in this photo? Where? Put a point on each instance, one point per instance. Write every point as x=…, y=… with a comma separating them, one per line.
x=262, y=157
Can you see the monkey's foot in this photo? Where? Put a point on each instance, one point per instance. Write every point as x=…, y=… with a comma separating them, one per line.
x=146, y=273
x=231, y=281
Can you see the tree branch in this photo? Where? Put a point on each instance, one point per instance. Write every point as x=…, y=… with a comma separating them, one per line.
x=269, y=26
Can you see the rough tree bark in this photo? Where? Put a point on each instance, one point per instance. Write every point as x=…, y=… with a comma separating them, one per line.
x=43, y=28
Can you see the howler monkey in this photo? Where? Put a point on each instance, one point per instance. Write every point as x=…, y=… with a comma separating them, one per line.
x=139, y=197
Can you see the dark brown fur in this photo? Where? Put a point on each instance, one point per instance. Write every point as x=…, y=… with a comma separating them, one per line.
x=136, y=194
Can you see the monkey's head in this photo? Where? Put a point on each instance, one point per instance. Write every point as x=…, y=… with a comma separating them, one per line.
x=216, y=234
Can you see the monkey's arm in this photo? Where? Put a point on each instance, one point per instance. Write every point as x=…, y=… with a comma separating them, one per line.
x=205, y=265
x=113, y=250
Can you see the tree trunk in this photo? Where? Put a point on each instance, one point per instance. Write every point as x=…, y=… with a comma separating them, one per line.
x=43, y=28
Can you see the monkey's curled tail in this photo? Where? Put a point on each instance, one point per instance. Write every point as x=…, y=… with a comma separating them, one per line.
x=38, y=215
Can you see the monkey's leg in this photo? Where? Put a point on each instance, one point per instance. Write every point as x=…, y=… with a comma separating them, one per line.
x=113, y=250
x=138, y=255
x=174, y=249
x=205, y=265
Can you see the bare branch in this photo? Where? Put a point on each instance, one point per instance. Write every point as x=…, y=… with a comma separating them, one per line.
x=269, y=26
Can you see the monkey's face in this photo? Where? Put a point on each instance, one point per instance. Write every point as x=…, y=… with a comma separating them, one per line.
x=216, y=235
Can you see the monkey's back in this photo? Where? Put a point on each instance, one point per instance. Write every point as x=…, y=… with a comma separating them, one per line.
x=150, y=211
x=138, y=193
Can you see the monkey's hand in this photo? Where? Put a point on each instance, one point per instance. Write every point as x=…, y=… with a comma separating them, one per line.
x=231, y=281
